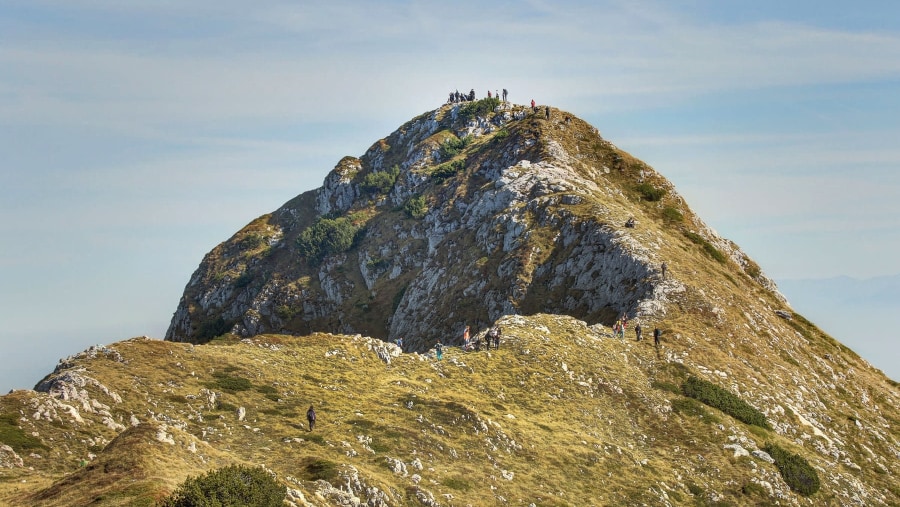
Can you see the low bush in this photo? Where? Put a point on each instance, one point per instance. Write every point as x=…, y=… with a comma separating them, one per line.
x=671, y=214
x=650, y=193
x=795, y=470
x=448, y=170
x=454, y=146
x=416, y=207
x=380, y=182
x=707, y=247
x=232, y=486
x=327, y=237
x=719, y=398
x=481, y=107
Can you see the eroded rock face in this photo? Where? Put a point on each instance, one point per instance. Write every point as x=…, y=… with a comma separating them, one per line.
x=526, y=217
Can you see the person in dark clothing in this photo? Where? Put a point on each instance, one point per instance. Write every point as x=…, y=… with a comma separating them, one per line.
x=547, y=110
x=637, y=331
x=504, y=94
x=656, y=334
x=311, y=417
x=662, y=268
x=497, y=337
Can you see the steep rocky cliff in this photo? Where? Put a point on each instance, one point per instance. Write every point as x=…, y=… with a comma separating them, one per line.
x=462, y=215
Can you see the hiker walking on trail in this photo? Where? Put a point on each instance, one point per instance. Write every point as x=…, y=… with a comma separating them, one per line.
x=637, y=332
x=548, y=112
x=439, y=351
x=662, y=267
x=466, y=339
x=533, y=106
x=504, y=95
x=656, y=334
x=497, y=338
x=311, y=417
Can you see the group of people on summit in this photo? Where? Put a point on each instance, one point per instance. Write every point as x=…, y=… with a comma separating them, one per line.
x=456, y=97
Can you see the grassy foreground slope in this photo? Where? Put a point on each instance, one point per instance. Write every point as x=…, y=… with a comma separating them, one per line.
x=561, y=414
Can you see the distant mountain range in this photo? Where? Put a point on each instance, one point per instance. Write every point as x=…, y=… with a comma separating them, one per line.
x=864, y=314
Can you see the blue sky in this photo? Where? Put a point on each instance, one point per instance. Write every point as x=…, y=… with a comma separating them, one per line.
x=138, y=135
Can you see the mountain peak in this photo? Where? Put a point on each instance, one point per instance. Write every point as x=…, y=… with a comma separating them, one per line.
x=463, y=214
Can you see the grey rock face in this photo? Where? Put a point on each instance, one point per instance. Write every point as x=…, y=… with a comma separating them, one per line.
x=522, y=222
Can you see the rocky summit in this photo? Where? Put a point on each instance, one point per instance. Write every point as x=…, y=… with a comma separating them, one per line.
x=481, y=215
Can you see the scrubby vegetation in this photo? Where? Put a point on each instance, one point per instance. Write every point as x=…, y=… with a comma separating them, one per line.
x=454, y=146
x=232, y=486
x=795, y=470
x=707, y=247
x=481, y=107
x=448, y=170
x=326, y=237
x=380, y=182
x=416, y=207
x=651, y=193
x=719, y=398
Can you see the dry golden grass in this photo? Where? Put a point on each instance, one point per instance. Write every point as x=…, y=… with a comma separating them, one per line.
x=560, y=415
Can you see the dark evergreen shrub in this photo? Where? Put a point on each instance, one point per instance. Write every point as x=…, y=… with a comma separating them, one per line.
x=795, y=470
x=416, y=207
x=481, y=107
x=650, y=193
x=719, y=398
x=326, y=237
x=453, y=146
x=380, y=182
x=448, y=170
x=232, y=486
x=671, y=214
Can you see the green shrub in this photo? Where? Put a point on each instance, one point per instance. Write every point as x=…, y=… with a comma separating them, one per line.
x=380, y=182
x=232, y=486
x=501, y=134
x=253, y=241
x=708, y=248
x=327, y=237
x=416, y=207
x=719, y=398
x=795, y=470
x=671, y=214
x=448, y=170
x=481, y=107
x=651, y=193
x=454, y=146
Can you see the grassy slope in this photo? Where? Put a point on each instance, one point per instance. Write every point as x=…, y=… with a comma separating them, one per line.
x=559, y=415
